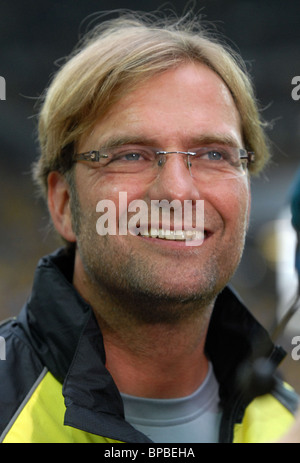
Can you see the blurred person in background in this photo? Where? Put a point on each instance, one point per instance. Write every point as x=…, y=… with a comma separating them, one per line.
x=293, y=435
x=139, y=338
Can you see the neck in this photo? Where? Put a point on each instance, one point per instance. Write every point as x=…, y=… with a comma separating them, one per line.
x=155, y=360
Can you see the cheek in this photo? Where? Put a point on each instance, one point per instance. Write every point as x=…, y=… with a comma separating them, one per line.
x=232, y=203
x=110, y=197
x=239, y=208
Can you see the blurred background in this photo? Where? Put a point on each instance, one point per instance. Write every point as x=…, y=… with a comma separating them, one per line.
x=34, y=36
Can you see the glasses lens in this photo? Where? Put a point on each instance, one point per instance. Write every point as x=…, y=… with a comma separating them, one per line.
x=129, y=159
x=217, y=163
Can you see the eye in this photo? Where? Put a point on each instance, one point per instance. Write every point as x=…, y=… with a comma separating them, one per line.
x=132, y=156
x=129, y=159
x=124, y=154
x=214, y=155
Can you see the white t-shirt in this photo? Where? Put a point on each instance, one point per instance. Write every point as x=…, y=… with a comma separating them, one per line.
x=191, y=419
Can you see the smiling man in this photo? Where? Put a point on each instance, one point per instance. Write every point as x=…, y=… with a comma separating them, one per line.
x=135, y=337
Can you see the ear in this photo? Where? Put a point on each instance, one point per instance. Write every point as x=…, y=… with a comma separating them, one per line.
x=59, y=205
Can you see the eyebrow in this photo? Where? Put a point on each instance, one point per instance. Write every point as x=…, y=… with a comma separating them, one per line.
x=198, y=140
x=127, y=140
x=215, y=138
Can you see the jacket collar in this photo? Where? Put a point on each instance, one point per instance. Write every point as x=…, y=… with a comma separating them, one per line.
x=67, y=338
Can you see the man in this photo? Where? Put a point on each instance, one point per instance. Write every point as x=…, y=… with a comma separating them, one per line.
x=132, y=335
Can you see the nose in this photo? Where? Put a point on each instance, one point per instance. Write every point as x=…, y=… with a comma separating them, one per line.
x=174, y=180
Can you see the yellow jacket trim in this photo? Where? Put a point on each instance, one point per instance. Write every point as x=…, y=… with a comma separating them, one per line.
x=39, y=422
x=265, y=421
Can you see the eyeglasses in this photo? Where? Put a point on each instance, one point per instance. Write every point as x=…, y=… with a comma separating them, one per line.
x=208, y=163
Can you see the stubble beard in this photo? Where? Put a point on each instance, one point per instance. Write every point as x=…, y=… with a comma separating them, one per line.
x=135, y=287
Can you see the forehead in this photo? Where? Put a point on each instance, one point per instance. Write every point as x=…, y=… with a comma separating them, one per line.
x=173, y=107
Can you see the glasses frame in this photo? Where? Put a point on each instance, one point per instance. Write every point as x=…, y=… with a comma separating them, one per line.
x=96, y=155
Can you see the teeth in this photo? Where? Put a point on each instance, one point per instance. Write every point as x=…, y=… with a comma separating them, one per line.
x=161, y=233
x=154, y=232
x=177, y=235
x=180, y=235
x=169, y=235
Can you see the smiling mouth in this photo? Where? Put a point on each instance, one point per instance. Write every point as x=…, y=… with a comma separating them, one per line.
x=174, y=235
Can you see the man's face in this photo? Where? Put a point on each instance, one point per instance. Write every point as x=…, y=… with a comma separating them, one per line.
x=169, y=111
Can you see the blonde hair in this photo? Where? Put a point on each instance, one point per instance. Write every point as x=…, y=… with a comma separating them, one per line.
x=116, y=56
